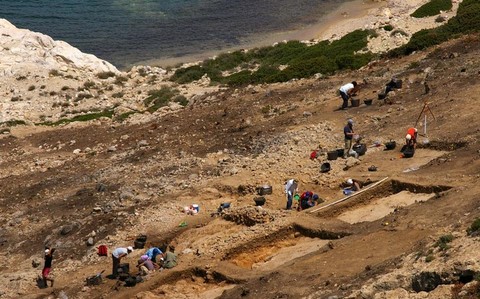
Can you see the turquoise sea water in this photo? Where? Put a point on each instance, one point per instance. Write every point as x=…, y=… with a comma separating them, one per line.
x=128, y=31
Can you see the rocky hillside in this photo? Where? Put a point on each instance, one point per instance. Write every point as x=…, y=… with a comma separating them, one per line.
x=146, y=148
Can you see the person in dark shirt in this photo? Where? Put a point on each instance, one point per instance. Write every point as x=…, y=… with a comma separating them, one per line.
x=348, y=132
x=47, y=267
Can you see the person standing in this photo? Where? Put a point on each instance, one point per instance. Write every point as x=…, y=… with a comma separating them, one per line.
x=290, y=189
x=47, y=266
x=346, y=92
x=117, y=256
x=348, y=132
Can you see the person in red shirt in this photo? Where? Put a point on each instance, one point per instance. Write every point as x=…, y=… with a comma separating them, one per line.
x=411, y=138
x=46, y=275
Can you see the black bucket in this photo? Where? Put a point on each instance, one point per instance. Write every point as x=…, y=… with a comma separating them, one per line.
x=408, y=152
x=390, y=145
x=340, y=152
x=259, y=201
x=368, y=102
x=355, y=102
x=325, y=167
x=141, y=238
x=360, y=149
x=333, y=155
x=382, y=96
x=138, y=244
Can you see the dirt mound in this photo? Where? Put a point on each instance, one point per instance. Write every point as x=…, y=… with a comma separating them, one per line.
x=250, y=216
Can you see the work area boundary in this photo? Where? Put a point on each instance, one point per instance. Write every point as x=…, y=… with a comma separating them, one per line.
x=349, y=196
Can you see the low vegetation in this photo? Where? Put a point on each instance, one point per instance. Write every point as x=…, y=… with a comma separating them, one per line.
x=432, y=8
x=443, y=241
x=282, y=62
x=105, y=75
x=12, y=123
x=466, y=21
x=158, y=98
x=84, y=117
x=474, y=227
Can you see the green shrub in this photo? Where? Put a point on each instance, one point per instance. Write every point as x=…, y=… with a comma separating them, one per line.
x=124, y=116
x=189, y=74
x=239, y=79
x=82, y=96
x=85, y=117
x=64, y=88
x=158, y=98
x=443, y=241
x=398, y=31
x=429, y=258
x=13, y=123
x=105, y=75
x=118, y=94
x=119, y=80
x=432, y=8
x=474, y=227
x=31, y=87
x=89, y=84
x=182, y=100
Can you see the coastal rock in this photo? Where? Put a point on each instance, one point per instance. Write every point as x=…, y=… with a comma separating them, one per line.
x=26, y=51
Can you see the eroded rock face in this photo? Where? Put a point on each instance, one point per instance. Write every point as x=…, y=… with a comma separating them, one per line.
x=23, y=50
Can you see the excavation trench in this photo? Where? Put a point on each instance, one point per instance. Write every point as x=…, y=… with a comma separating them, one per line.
x=282, y=246
x=382, y=200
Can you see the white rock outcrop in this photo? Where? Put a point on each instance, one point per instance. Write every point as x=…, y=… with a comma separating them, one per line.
x=22, y=50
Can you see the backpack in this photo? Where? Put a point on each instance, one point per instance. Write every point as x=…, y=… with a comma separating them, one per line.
x=102, y=250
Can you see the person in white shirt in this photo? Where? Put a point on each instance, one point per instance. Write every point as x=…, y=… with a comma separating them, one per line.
x=346, y=92
x=117, y=255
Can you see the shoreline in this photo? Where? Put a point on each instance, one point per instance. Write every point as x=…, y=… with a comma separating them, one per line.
x=324, y=28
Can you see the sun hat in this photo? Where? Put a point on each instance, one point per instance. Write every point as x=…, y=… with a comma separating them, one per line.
x=408, y=137
x=315, y=196
x=129, y=248
x=350, y=121
x=144, y=257
x=350, y=181
x=47, y=250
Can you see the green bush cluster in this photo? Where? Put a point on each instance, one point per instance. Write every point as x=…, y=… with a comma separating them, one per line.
x=432, y=8
x=158, y=98
x=299, y=61
x=466, y=21
x=443, y=241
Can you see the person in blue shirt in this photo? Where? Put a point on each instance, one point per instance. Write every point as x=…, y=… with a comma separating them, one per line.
x=152, y=253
